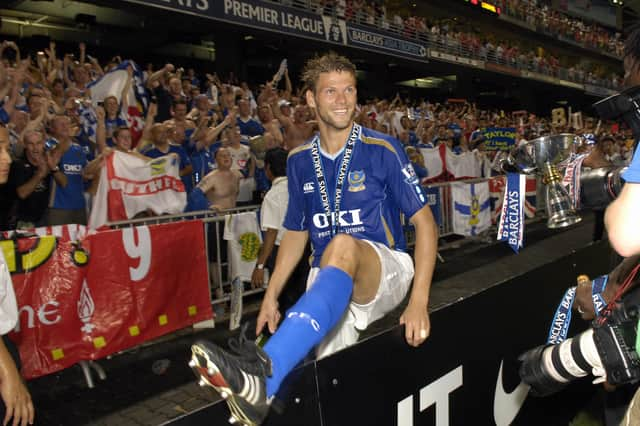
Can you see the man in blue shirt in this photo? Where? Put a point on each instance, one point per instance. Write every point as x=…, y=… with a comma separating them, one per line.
x=347, y=188
x=67, y=202
x=248, y=125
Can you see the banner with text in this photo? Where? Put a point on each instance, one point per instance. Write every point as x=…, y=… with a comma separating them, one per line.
x=365, y=37
x=499, y=138
x=434, y=200
x=111, y=291
x=261, y=15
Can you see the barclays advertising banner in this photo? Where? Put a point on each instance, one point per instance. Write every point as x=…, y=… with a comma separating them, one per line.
x=260, y=15
x=365, y=37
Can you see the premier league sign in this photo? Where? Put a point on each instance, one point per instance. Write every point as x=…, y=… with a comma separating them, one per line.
x=260, y=15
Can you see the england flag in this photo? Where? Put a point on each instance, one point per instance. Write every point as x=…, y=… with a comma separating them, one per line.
x=129, y=185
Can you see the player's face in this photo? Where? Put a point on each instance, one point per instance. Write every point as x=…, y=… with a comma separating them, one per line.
x=5, y=156
x=334, y=99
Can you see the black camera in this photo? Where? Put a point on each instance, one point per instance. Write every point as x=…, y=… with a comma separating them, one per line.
x=606, y=348
x=624, y=105
x=600, y=186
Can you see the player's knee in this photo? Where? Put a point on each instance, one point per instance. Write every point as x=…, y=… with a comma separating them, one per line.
x=342, y=247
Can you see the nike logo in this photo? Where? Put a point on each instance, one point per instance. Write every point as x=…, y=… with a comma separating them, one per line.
x=507, y=405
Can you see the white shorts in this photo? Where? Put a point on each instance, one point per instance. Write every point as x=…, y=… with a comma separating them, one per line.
x=395, y=279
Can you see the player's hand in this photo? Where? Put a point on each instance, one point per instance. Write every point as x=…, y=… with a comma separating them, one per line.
x=17, y=400
x=269, y=315
x=417, y=325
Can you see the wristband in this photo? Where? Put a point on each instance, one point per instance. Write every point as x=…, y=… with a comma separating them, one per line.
x=260, y=266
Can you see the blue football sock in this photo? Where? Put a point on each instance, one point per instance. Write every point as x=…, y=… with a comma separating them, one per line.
x=307, y=322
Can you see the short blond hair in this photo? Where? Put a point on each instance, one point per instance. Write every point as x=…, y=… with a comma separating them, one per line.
x=324, y=64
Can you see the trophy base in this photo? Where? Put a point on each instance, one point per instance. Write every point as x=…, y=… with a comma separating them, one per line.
x=562, y=221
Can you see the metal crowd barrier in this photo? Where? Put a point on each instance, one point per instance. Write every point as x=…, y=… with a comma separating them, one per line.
x=221, y=287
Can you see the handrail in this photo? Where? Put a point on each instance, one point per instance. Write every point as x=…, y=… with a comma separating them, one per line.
x=201, y=214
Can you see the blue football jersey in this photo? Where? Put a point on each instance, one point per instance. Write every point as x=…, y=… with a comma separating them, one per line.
x=71, y=197
x=380, y=184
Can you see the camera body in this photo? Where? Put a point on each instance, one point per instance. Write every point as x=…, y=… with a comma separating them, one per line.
x=615, y=336
x=624, y=105
x=600, y=186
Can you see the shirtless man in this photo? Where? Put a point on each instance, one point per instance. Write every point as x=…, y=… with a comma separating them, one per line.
x=221, y=186
x=296, y=130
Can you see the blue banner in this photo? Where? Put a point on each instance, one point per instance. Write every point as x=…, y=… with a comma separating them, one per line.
x=434, y=201
x=359, y=36
x=511, y=226
x=499, y=138
x=260, y=15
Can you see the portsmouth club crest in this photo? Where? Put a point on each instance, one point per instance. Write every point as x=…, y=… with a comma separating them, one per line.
x=356, y=181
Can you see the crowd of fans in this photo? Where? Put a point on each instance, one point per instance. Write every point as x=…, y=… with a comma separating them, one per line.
x=197, y=117
x=540, y=14
x=536, y=13
x=459, y=38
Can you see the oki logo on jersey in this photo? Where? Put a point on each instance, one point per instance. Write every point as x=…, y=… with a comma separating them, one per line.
x=345, y=218
x=72, y=168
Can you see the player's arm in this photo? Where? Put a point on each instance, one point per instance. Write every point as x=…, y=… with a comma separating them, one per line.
x=416, y=315
x=289, y=254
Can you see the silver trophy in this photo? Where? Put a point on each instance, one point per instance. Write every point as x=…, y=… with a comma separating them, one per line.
x=541, y=156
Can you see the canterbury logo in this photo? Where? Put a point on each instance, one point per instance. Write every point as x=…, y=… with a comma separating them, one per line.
x=308, y=187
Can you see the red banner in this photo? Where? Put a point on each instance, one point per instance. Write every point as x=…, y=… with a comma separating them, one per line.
x=112, y=291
